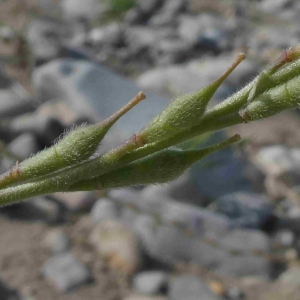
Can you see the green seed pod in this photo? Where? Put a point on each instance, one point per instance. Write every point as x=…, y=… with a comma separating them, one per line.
x=185, y=112
x=75, y=147
x=285, y=96
x=284, y=69
x=160, y=167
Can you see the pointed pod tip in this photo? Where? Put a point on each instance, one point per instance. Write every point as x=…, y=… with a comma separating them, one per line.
x=241, y=56
x=236, y=138
x=141, y=96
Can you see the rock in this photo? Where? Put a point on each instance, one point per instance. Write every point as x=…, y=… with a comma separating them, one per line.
x=291, y=277
x=24, y=146
x=191, y=28
x=109, y=35
x=59, y=109
x=235, y=294
x=80, y=83
x=284, y=238
x=104, y=209
x=190, y=217
x=170, y=51
x=189, y=287
x=245, y=265
x=118, y=245
x=281, y=165
x=148, y=7
x=66, y=272
x=276, y=160
x=275, y=6
x=45, y=38
x=245, y=241
x=246, y=210
x=36, y=209
x=281, y=291
x=135, y=296
x=140, y=38
x=8, y=293
x=7, y=34
x=57, y=241
x=45, y=128
x=170, y=245
x=77, y=201
x=150, y=282
x=89, y=9
x=182, y=189
x=220, y=173
x=168, y=13
x=134, y=17
x=15, y=101
x=174, y=7
x=265, y=37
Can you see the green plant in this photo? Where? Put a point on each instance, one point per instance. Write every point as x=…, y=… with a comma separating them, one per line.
x=149, y=157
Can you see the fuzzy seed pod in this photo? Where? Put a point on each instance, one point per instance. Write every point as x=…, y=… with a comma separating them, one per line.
x=75, y=147
x=160, y=167
x=185, y=112
x=274, y=101
x=284, y=69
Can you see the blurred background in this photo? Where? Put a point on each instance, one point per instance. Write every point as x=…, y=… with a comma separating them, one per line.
x=228, y=229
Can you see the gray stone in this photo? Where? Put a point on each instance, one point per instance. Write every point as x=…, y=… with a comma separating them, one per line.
x=150, y=282
x=93, y=90
x=66, y=272
x=45, y=38
x=163, y=19
x=110, y=34
x=190, y=217
x=291, y=276
x=245, y=265
x=284, y=238
x=148, y=6
x=182, y=189
x=104, y=209
x=24, y=146
x=192, y=27
x=275, y=160
x=171, y=245
x=235, y=294
x=57, y=241
x=168, y=13
x=144, y=38
x=7, y=34
x=134, y=17
x=170, y=51
x=81, y=201
x=8, y=293
x=174, y=7
x=220, y=173
x=89, y=9
x=47, y=210
x=265, y=37
x=188, y=287
x=245, y=241
x=247, y=210
x=45, y=128
x=118, y=244
x=15, y=101
x=36, y=209
x=274, y=6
